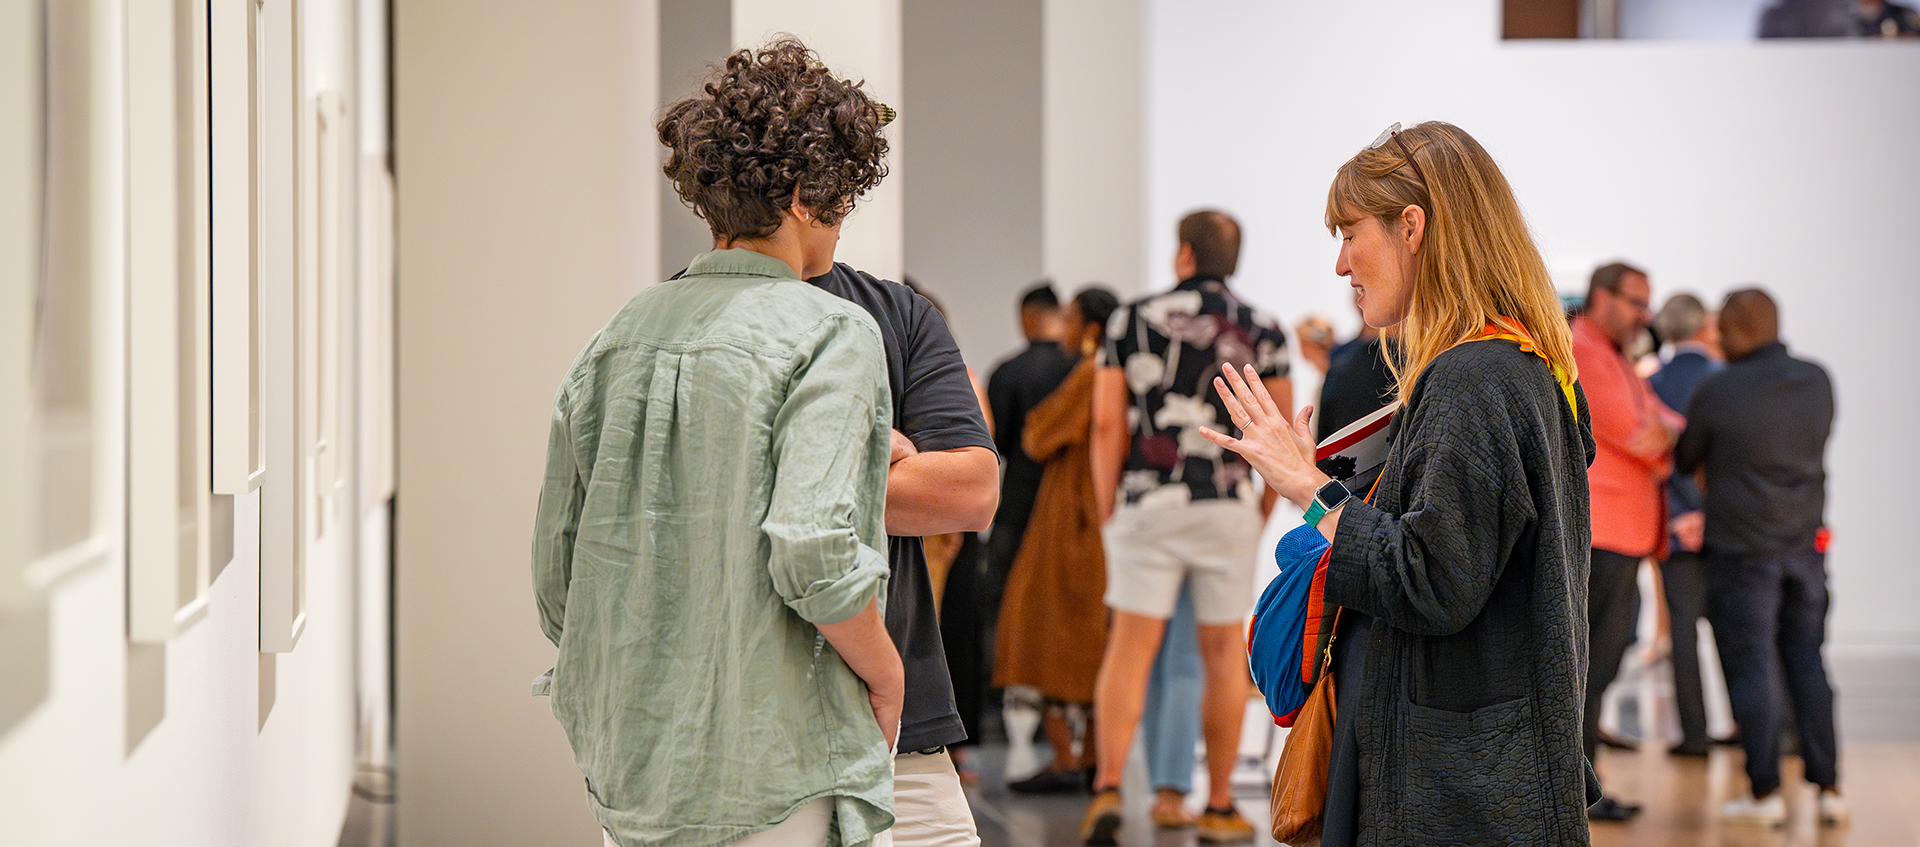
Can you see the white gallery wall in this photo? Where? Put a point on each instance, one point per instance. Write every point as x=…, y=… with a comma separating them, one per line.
x=526, y=217
x=1714, y=165
x=178, y=708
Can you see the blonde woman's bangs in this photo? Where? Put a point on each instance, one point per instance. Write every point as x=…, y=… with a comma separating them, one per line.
x=1343, y=200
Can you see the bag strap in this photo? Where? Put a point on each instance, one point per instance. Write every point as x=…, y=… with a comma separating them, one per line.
x=1333, y=631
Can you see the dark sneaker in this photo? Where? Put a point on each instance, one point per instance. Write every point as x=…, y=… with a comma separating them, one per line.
x=1048, y=782
x=1688, y=748
x=1609, y=809
x=1618, y=743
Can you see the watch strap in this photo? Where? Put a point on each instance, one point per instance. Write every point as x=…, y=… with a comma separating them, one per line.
x=1315, y=512
x=1320, y=507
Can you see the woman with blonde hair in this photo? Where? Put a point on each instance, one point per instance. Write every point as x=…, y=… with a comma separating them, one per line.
x=1461, y=649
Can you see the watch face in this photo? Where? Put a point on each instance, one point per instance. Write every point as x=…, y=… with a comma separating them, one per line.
x=1332, y=494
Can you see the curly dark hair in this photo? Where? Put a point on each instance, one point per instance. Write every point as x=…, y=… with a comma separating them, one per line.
x=771, y=125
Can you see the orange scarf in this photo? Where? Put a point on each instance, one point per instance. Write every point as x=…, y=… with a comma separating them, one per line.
x=1505, y=329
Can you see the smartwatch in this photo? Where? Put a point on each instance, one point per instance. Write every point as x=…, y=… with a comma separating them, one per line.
x=1326, y=499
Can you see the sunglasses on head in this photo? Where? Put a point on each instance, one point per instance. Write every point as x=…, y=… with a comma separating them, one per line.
x=1393, y=132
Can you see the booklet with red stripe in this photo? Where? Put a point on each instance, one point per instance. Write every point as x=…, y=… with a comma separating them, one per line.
x=1357, y=448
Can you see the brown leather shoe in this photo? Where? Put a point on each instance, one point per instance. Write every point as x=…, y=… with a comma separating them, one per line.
x=1103, y=818
x=1223, y=825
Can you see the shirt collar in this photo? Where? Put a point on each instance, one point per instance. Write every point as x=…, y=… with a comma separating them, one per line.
x=1691, y=346
x=1584, y=326
x=1767, y=350
x=738, y=262
x=1200, y=283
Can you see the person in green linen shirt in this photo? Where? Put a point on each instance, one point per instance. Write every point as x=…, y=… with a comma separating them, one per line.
x=712, y=513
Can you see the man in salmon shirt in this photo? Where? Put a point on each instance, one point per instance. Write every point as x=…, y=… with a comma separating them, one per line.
x=1635, y=433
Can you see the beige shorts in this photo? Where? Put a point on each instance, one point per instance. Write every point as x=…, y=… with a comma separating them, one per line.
x=1211, y=543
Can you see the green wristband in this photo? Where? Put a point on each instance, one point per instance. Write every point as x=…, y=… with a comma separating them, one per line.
x=1315, y=512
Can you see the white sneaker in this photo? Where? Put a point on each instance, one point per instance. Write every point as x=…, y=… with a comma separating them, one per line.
x=1833, y=809
x=1770, y=813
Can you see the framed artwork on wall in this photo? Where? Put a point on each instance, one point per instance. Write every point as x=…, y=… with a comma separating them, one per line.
x=63, y=442
x=213, y=525
x=168, y=328
x=330, y=316
x=22, y=146
x=24, y=157
x=277, y=197
x=238, y=446
x=319, y=313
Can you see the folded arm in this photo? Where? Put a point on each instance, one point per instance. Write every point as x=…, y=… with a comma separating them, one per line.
x=943, y=491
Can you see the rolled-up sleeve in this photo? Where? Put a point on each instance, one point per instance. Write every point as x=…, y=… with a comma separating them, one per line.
x=556, y=523
x=823, y=439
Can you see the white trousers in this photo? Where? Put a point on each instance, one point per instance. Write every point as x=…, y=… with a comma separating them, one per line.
x=929, y=806
x=929, y=810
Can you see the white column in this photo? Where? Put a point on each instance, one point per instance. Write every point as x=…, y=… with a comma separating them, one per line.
x=973, y=226
x=1094, y=155
x=859, y=40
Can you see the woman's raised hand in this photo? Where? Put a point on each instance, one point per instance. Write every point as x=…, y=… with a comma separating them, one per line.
x=1281, y=451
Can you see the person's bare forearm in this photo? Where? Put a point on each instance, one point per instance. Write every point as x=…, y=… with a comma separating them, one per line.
x=1110, y=440
x=1269, y=498
x=863, y=643
x=943, y=491
x=1109, y=455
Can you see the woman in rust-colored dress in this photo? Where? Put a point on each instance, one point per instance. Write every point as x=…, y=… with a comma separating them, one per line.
x=1053, y=620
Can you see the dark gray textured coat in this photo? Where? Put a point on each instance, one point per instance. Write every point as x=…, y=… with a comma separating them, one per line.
x=1474, y=568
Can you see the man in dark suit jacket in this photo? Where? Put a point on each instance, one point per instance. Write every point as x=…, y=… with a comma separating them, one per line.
x=1695, y=335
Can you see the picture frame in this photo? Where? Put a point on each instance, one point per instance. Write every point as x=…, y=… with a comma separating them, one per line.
x=168, y=328
x=283, y=547
x=330, y=442
x=22, y=167
x=25, y=621
x=320, y=313
x=66, y=448
x=238, y=461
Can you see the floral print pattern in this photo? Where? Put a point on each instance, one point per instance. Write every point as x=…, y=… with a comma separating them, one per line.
x=1169, y=346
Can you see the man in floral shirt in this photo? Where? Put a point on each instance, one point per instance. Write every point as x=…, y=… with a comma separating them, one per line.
x=1189, y=511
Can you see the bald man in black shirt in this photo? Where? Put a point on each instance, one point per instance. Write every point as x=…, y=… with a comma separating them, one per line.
x=1757, y=432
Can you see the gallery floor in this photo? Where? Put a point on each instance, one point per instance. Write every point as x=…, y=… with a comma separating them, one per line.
x=1678, y=797
x=1879, y=704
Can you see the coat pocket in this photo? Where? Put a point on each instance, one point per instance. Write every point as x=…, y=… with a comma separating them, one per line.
x=1473, y=777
